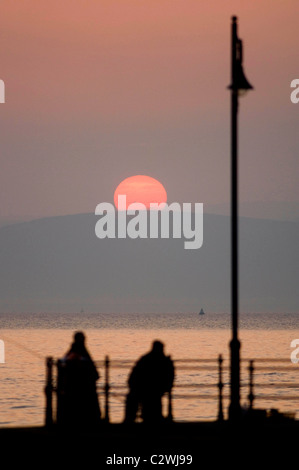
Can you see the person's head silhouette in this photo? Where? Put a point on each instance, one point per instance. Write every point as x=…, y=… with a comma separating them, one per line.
x=79, y=337
x=78, y=345
x=158, y=347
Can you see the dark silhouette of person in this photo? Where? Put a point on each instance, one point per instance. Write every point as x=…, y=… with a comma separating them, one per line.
x=78, y=403
x=151, y=377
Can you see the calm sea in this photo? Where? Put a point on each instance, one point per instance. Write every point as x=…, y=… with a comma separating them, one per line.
x=30, y=338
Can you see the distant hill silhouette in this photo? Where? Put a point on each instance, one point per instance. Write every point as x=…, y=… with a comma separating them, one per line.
x=58, y=264
x=280, y=210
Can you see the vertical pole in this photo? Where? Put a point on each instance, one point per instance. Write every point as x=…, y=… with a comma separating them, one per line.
x=107, y=388
x=220, y=387
x=49, y=391
x=251, y=393
x=234, y=410
x=170, y=416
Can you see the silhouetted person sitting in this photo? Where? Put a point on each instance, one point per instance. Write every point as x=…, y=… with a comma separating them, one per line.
x=151, y=377
x=79, y=405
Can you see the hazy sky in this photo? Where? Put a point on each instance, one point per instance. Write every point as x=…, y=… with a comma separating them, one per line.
x=99, y=90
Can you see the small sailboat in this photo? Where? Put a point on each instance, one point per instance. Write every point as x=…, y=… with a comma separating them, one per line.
x=201, y=312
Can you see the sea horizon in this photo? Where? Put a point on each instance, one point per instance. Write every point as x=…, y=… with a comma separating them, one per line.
x=87, y=320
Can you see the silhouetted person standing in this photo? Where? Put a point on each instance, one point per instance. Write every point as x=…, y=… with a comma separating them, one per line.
x=79, y=405
x=151, y=377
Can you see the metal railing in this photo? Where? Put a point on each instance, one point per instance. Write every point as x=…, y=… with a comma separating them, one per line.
x=271, y=380
x=261, y=377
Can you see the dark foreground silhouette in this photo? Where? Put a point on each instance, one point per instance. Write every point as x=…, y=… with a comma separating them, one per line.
x=261, y=440
x=77, y=397
x=150, y=379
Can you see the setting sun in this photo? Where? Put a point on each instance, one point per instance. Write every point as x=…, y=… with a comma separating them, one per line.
x=141, y=189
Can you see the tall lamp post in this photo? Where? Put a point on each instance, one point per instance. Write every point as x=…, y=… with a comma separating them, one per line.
x=238, y=87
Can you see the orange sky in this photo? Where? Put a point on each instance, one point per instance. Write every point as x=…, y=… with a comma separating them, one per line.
x=99, y=91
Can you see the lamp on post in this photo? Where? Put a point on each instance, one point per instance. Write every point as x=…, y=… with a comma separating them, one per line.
x=238, y=87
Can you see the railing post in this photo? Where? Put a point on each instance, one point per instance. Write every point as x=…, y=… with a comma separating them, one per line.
x=170, y=416
x=220, y=387
x=251, y=392
x=107, y=388
x=49, y=392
